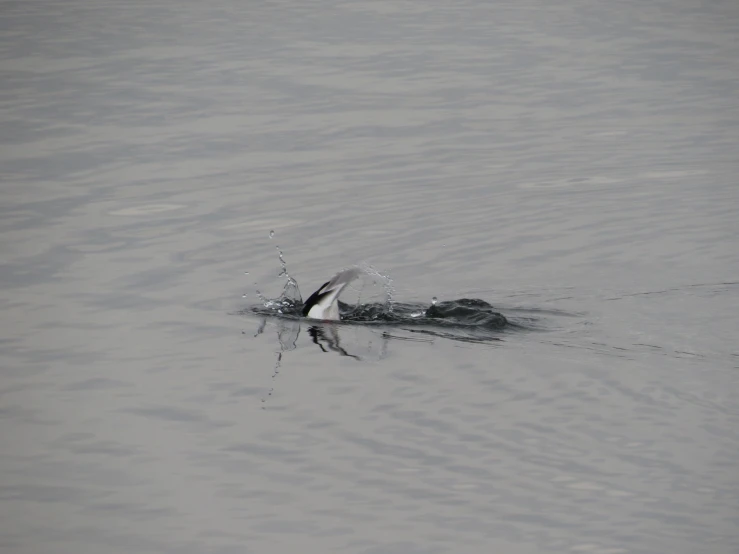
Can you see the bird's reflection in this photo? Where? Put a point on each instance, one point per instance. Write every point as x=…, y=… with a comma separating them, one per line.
x=287, y=335
x=325, y=336
x=328, y=338
x=363, y=343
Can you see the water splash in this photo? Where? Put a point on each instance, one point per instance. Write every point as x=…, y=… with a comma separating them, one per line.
x=385, y=280
x=375, y=304
x=291, y=291
x=283, y=264
x=263, y=298
x=290, y=296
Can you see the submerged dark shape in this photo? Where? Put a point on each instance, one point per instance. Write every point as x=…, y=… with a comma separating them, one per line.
x=463, y=313
x=467, y=311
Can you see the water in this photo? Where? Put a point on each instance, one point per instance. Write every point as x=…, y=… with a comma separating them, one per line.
x=574, y=166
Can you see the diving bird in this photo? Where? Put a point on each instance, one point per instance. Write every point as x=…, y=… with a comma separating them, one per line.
x=324, y=303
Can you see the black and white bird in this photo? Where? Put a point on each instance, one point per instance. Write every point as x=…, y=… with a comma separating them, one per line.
x=324, y=303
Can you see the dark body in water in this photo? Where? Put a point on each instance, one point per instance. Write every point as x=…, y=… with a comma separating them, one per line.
x=465, y=312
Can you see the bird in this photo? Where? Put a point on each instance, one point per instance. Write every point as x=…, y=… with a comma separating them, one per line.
x=324, y=303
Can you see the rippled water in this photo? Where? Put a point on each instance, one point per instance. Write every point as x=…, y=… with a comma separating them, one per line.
x=573, y=165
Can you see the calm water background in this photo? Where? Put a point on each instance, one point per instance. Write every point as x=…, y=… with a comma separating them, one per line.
x=578, y=162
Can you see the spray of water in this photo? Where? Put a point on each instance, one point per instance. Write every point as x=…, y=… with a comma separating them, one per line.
x=372, y=289
x=386, y=281
x=290, y=293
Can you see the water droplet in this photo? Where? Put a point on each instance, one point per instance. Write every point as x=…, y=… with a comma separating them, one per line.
x=434, y=300
x=271, y=234
x=244, y=295
x=246, y=273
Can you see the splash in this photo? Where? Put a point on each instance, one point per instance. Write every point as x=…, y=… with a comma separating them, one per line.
x=290, y=296
x=370, y=300
x=291, y=291
x=467, y=313
x=384, y=280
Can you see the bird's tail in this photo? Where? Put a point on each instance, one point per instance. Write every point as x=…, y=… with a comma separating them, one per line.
x=324, y=303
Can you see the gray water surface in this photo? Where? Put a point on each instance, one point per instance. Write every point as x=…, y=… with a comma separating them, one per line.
x=575, y=164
